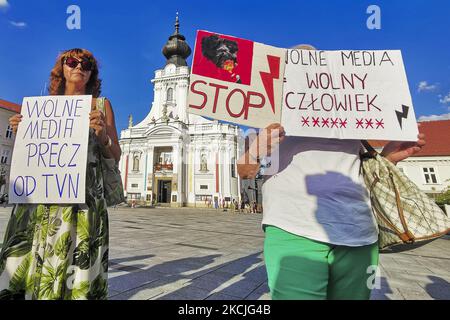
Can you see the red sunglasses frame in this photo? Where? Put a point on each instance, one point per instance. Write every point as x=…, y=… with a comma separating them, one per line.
x=86, y=65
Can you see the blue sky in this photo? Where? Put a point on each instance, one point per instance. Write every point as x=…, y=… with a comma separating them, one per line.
x=127, y=38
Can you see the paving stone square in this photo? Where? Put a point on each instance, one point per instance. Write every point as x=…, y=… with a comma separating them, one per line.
x=200, y=254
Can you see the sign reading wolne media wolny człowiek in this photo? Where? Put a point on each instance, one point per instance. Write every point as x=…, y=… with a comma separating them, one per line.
x=50, y=150
x=347, y=95
x=236, y=80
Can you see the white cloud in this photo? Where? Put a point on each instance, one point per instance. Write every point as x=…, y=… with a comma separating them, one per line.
x=4, y=4
x=18, y=24
x=435, y=117
x=424, y=86
x=445, y=100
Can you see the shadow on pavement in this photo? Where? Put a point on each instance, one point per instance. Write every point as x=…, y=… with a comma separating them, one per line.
x=200, y=284
x=439, y=288
x=241, y=289
x=164, y=273
x=117, y=266
x=406, y=247
x=383, y=291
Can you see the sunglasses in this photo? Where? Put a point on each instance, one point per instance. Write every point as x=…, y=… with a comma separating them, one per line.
x=71, y=62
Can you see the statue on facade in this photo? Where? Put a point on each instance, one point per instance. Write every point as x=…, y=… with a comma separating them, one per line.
x=203, y=163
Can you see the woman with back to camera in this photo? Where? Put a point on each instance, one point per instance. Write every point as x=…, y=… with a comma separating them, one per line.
x=61, y=251
x=320, y=234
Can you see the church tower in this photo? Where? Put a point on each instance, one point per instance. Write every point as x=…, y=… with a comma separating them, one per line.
x=173, y=158
x=171, y=83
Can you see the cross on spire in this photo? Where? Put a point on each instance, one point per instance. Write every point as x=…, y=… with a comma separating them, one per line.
x=177, y=24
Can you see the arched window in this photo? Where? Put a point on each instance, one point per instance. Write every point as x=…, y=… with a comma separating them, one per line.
x=169, y=95
x=136, y=163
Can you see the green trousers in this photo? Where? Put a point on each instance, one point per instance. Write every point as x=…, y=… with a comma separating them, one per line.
x=300, y=268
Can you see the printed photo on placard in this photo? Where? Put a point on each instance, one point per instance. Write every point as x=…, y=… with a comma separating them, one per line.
x=236, y=80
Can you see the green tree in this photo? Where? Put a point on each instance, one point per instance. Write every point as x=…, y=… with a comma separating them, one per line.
x=444, y=197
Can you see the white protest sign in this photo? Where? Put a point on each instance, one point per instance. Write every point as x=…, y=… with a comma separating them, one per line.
x=347, y=95
x=50, y=151
x=236, y=80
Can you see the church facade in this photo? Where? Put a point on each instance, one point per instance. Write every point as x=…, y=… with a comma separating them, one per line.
x=173, y=158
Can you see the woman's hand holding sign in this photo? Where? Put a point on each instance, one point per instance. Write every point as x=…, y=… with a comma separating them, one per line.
x=268, y=139
x=105, y=130
x=98, y=123
x=396, y=151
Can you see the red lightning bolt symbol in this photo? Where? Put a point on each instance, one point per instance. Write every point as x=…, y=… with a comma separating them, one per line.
x=268, y=77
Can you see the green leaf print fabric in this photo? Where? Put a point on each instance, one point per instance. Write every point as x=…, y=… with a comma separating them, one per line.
x=59, y=252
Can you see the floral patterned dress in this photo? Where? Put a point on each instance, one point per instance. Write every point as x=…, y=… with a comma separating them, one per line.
x=57, y=251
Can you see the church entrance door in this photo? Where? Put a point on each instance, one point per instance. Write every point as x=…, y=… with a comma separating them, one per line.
x=164, y=191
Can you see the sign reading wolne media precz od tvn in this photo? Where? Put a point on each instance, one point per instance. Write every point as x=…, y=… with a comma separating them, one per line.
x=348, y=95
x=50, y=151
x=236, y=80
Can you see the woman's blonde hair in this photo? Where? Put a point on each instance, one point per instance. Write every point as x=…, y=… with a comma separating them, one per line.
x=58, y=82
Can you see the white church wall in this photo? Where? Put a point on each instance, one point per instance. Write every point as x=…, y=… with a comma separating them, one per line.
x=188, y=182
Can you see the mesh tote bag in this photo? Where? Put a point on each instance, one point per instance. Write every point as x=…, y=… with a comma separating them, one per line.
x=404, y=213
x=112, y=181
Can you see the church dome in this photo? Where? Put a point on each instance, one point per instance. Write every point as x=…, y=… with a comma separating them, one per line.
x=176, y=49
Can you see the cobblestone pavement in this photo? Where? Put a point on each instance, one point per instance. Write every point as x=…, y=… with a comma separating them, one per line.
x=163, y=253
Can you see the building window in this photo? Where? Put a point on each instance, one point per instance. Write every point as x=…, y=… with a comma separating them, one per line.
x=9, y=132
x=203, y=198
x=5, y=156
x=169, y=96
x=134, y=185
x=430, y=175
x=136, y=163
x=167, y=157
x=164, y=162
x=233, y=168
x=133, y=196
x=204, y=187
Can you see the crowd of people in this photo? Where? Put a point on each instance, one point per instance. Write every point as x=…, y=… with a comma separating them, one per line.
x=234, y=205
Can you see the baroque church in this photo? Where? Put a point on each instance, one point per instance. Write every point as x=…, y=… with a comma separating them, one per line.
x=173, y=158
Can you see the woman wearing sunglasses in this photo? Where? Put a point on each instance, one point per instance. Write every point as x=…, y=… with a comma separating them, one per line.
x=57, y=251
